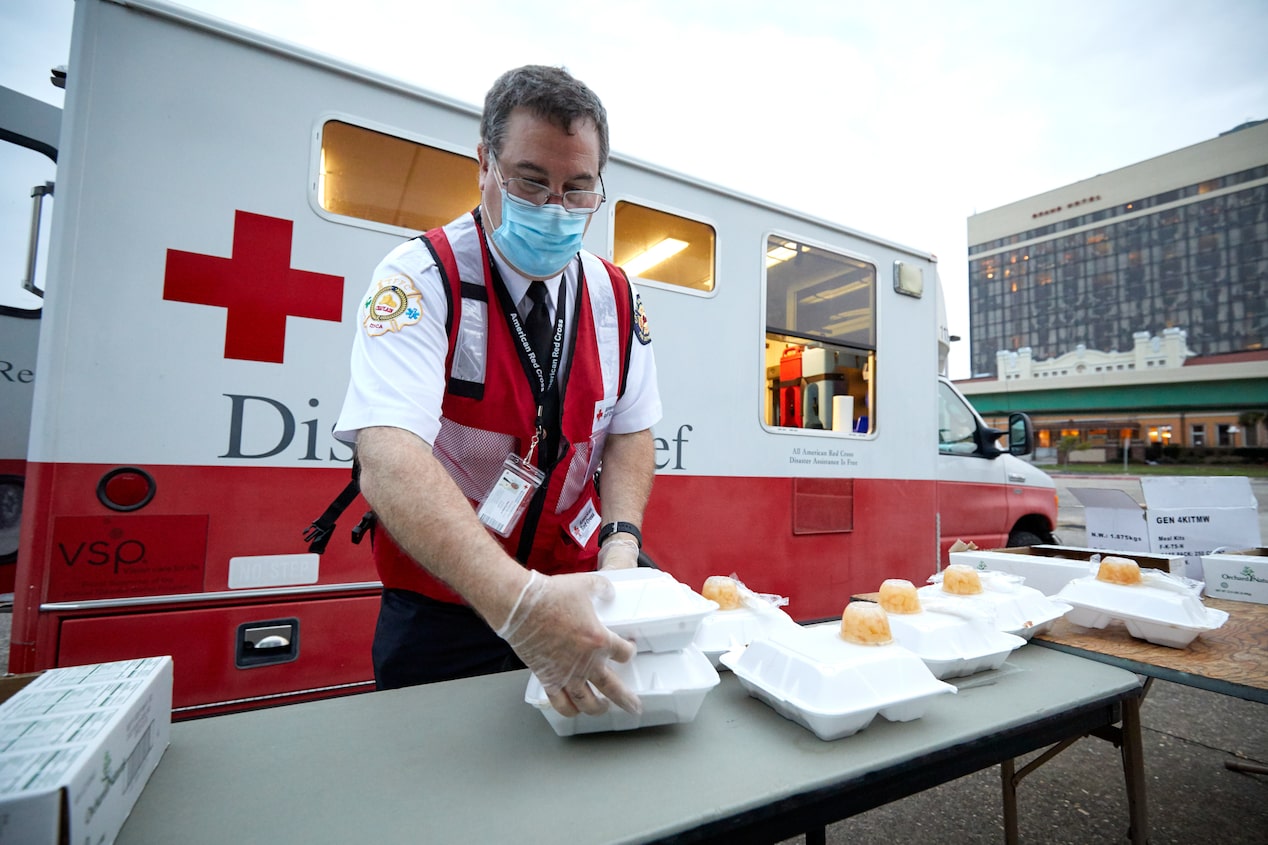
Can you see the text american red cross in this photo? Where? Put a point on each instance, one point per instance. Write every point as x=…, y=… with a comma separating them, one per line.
x=257, y=286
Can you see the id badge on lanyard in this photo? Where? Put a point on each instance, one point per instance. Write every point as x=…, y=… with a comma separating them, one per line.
x=509, y=498
x=506, y=503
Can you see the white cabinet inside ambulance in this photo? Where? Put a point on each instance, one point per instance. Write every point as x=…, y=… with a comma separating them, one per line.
x=222, y=200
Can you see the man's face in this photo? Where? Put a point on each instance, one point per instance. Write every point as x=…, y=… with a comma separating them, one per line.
x=537, y=150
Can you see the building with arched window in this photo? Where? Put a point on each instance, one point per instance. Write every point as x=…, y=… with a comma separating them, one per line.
x=1150, y=398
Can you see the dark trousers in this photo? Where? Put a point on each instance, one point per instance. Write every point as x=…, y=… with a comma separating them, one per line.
x=419, y=640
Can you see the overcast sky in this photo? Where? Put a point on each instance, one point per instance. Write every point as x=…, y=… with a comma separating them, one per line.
x=897, y=117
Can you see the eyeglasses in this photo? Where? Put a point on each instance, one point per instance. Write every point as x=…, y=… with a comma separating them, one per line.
x=535, y=194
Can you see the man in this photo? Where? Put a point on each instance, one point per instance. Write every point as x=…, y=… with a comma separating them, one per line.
x=497, y=366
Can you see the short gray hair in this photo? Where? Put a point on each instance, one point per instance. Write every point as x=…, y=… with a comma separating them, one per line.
x=548, y=92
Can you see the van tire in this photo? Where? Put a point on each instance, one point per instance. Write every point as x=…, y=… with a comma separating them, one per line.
x=1020, y=537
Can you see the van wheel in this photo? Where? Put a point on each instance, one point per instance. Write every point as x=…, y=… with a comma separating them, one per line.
x=1024, y=538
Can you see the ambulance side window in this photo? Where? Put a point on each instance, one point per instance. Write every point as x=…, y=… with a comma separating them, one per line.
x=657, y=246
x=373, y=176
x=820, y=339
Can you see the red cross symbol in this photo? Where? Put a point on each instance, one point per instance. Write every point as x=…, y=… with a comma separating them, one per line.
x=257, y=286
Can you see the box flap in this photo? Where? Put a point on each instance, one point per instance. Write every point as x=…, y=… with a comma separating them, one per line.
x=1101, y=497
x=1198, y=491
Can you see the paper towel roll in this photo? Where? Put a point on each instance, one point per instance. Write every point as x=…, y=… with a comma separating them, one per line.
x=843, y=413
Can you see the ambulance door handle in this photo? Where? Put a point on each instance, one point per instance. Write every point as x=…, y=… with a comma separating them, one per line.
x=267, y=643
x=33, y=248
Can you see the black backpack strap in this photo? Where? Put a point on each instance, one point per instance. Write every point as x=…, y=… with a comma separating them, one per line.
x=318, y=533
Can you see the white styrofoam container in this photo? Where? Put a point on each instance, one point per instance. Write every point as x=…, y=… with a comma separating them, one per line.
x=670, y=685
x=1005, y=603
x=727, y=630
x=652, y=609
x=832, y=687
x=950, y=645
x=1159, y=610
x=1049, y=568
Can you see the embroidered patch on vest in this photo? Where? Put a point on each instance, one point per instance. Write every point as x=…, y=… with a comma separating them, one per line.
x=395, y=304
x=642, y=330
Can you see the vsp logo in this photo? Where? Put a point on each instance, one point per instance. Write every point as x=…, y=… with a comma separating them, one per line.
x=115, y=553
x=261, y=427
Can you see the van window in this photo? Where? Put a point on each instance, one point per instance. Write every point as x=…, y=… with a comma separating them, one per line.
x=662, y=247
x=373, y=176
x=820, y=338
x=956, y=424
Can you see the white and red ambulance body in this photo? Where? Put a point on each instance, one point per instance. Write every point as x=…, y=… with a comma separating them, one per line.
x=205, y=276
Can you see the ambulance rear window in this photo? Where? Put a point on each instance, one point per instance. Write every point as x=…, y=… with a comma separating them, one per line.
x=658, y=246
x=820, y=339
x=374, y=176
x=813, y=292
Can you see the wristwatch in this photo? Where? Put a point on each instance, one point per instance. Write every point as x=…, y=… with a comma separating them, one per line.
x=621, y=527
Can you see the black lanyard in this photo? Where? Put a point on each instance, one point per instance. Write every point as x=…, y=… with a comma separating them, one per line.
x=528, y=359
x=547, y=387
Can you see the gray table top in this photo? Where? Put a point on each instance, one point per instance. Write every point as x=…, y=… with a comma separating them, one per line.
x=469, y=760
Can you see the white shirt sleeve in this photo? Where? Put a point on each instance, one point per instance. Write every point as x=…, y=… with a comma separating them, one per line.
x=639, y=407
x=397, y=376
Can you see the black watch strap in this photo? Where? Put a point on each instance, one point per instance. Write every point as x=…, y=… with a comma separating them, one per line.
x=623, y=528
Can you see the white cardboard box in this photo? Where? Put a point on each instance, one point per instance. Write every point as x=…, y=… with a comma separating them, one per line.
x=1239, y=576
x=77, y=745
x=1185, y=516
x=1049, y=568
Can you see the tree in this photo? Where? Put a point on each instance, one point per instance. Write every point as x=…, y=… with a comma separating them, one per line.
x=1249, y=421
x=1069, y=443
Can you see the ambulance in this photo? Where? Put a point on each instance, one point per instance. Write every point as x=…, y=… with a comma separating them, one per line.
x=222, y=198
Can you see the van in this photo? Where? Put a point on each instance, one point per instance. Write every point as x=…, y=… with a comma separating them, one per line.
x=216, y=224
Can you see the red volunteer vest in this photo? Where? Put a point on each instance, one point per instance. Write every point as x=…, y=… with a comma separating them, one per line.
x=489, y=410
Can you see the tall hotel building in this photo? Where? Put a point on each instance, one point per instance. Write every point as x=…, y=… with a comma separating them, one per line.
x=1179, y=241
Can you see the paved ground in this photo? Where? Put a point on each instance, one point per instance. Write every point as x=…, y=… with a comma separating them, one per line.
x=1078, y=798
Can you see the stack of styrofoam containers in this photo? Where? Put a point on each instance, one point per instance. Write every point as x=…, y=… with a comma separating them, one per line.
x=669, y=674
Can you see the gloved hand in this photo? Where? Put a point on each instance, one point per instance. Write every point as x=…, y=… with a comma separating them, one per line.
x=553, y=628
x=619, y=552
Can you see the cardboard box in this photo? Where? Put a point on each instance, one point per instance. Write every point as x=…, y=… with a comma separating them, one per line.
x=77, y=745
x=1049, y=568
x=1238, y=576
x=1186, y=516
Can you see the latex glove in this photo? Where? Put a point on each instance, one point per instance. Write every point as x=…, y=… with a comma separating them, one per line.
x=553, y=628
x=619, y=552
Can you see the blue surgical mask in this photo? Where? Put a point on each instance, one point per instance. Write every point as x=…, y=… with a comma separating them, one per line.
x=539, y=241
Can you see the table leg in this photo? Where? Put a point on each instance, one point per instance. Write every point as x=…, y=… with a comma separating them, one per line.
x=1134, y=772
x=1250, y=768
x=1009, y=783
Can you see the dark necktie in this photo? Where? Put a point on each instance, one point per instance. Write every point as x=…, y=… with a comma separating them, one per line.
x=537, y=325
x=540, y=333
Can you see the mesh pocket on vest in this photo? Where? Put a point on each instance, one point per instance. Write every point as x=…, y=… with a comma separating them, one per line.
x=472, y=456
x=578, y=474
